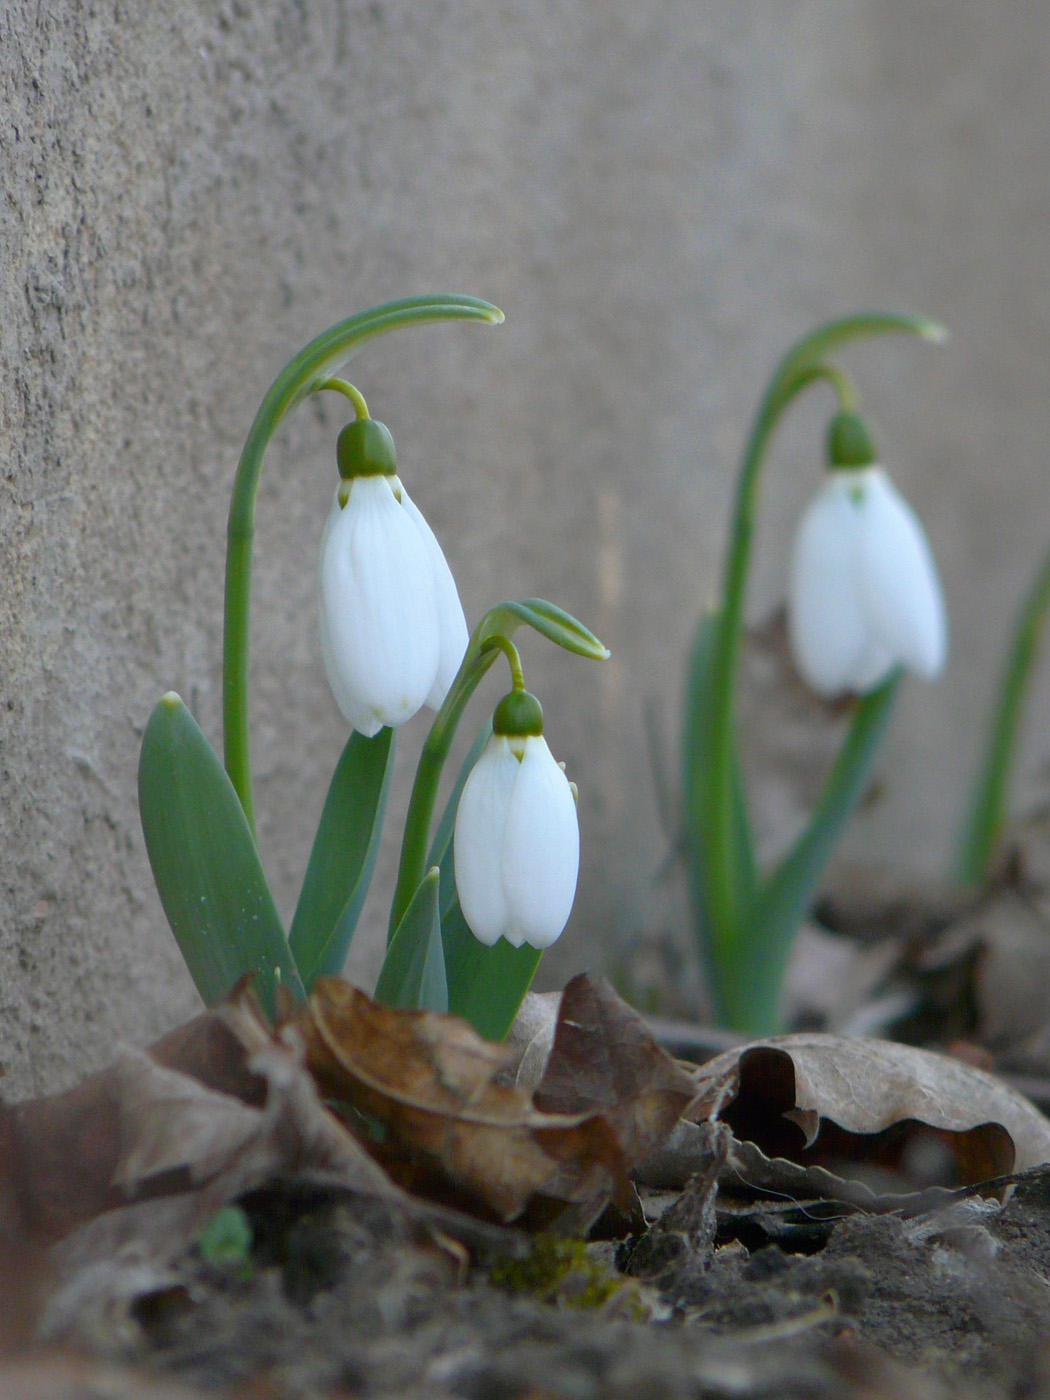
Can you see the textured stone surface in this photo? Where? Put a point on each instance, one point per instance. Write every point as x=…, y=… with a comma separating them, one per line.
x=660, y=195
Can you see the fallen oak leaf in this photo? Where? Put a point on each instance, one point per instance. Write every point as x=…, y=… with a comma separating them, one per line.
x=449, y=1129
x=832, y=1101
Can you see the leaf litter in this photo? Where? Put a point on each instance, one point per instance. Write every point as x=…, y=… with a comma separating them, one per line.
x=574, y=1213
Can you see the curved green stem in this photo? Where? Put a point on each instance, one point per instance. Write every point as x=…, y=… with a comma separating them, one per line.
x=309, y=370
x=348, y=391
x=802, y=365
x=489, y=639
x=987, y=807
x=510, y=651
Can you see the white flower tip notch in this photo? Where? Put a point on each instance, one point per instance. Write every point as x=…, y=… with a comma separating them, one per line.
x=864, y=596
x=392, y=626
x=517, y=837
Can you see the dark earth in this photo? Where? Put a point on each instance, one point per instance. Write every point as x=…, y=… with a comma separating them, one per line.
x=343, y=1296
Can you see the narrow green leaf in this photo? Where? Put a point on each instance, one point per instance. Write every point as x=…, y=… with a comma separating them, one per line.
x=987, y=812
x=568, y=627
x=343, y=856
x=723, y=940
x=696, y=727
x=205, y=864
x=788, y=894
x=485, y=985
x=413, y=971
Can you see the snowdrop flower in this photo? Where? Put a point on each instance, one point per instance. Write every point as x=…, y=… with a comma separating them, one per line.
x=864, y=596
x=517, y=838
x=392, y=627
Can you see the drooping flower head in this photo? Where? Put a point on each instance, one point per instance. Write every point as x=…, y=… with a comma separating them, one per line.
x=517, y=837
x=864, y=596
x=392, y=626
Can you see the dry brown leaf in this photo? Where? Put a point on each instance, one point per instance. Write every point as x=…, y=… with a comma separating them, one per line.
x=828, y=1100
x=605, y=1060
x=147, y=1128
x=449, y=1129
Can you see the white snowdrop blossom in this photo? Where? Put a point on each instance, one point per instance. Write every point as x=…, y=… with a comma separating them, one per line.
x=864, y=596
x=517, y=843
x=392, y=627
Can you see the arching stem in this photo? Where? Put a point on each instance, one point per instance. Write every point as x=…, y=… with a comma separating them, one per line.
x=308, y=371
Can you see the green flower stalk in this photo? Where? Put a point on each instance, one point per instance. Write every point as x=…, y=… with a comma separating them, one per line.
x=987, y=809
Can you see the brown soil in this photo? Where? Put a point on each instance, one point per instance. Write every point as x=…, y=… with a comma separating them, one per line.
x=345, y=1297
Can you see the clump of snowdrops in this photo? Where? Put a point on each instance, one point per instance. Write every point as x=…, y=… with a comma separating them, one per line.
x=479, y=895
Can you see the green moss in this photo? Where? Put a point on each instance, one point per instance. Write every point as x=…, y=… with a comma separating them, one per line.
x=561, y=1269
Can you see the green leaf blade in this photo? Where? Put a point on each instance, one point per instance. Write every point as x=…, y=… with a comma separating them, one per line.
x=413, y=972
x=787, y=895
x=343, y=856
x=721, y=947
x=486, y=985
x=205, y=863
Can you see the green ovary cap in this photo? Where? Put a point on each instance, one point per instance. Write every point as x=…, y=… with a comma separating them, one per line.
x=850, y=442
x=365, y=448
x=518, y=715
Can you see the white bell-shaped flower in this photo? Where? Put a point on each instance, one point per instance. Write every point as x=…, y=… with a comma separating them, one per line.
x=517, y=842
x=392, y=627
x=864, y=596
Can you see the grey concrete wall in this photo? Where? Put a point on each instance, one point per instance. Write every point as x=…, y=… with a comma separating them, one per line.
x=660, y=194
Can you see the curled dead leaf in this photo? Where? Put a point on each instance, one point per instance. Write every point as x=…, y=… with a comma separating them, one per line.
x=450, y=1123
x=444, y=1125
x=822, y=1100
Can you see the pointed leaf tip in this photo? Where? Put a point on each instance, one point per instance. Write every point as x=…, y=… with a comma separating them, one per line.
x=935, y=333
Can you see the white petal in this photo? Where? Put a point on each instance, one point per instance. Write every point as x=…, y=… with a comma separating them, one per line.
x=452, y=625
x=873, y=668
x=353, y=710
x=900, y=589
x=481, y=819
x=377, y=612
x=541, y=849
x=826, y=625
